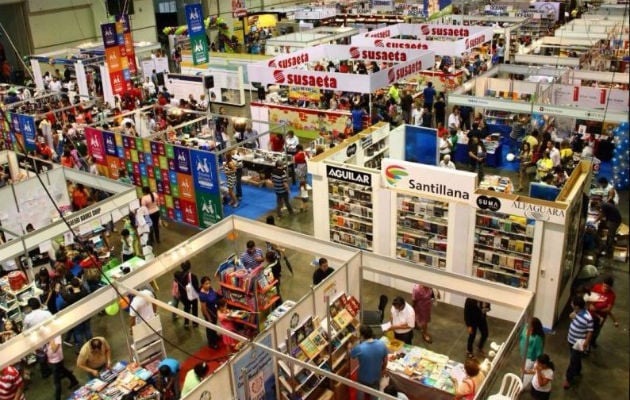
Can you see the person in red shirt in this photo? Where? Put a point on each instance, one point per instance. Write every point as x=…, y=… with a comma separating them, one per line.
x=276, y=142
x=11, y=384
x=343, y=67
x=441, y=130
x=80, y=197
x=601, y=304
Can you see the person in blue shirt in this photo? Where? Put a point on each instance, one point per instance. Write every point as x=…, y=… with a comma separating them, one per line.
x=167, y=380
x=208, y=300
x=252, y=256
x=357, y=119
x=429, y=94
x=372, y=356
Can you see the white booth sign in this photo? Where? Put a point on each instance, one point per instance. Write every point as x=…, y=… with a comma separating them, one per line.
x=278, y=72
x=468, y=38
x=428, y=180
x=529, y=210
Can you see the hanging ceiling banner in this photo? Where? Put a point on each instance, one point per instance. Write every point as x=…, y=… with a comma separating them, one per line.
x=197, y=33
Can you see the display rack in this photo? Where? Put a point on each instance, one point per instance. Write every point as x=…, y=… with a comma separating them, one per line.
x=422, y=230
x=503, y=248
x=12, y=301
x=375, y=146
x=322, y=344
x=148, y=345
x=252, y=293
x=350, y=210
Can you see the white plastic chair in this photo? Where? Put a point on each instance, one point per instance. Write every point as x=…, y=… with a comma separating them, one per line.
x=511, y=387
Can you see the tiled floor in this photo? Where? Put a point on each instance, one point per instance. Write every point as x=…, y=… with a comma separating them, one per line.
x=605, y=374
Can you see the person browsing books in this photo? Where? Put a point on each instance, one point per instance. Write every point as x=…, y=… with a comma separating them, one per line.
x=403, y=320
x=372, y=357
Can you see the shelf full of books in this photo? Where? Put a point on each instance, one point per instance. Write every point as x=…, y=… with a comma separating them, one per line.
x=503, y=248
x=251, y=294
x=350, y=212
x=422, y=228
x=321, y=344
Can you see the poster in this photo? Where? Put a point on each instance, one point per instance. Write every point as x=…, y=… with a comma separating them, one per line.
x=185, y=180
x=94, y=141
x=307, y=123
x=197, y=33
x=258, y=365
x=27, y=128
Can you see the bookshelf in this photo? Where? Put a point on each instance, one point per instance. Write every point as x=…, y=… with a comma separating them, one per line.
x=322, y=344
x=375, y=147
x=503, y=248
x=350, y=212
x=422, y=229
x=252, y=294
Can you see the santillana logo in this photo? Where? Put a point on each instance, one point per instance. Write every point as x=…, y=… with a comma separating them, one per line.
x=395, y=173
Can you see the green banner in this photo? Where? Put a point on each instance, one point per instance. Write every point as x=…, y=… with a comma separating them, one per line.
x=208, y=208
x=199, y=46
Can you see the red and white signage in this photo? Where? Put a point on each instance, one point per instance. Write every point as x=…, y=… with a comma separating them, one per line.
x=590, y=97
x=288, y=69
x=467, y=37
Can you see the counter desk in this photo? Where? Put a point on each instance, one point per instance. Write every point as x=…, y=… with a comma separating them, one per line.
x=421, y=373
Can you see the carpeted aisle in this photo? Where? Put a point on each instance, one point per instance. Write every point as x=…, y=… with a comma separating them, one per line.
x=214, y=358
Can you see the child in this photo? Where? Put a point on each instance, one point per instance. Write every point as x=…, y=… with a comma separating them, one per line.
x=126, y=241
x=226, y=323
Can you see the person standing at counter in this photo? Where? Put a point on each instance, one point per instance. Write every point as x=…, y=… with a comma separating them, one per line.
x=276, y=142
x=467, y=388
x=422, y=297
x=403, y=320
x=372, y=357
x=475, y=318
x=95, y=355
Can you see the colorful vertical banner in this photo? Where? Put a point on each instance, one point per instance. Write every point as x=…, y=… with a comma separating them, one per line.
x=5, y=129
x=206, y=185
x=94, y=141
x=119, y=53
x=128, y=42
x=197, y=33
x=185, y=180
x=27, y=127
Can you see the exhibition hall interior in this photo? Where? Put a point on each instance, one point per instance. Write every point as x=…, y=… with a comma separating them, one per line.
x=314, y=200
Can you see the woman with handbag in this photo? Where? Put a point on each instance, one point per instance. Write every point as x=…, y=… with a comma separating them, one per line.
x=188, y=286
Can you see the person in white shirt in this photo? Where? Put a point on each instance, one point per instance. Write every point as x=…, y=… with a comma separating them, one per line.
x=291, y=142
x=403, y=320
x=554, y=154
x=55, y=85
x=447, y=163
x=37, y=315
x=416, y=115
x=140, y=309
x=543, y=375
x=454, y=121
x=445, y=146
x=46, y=129
x=54, y=354
x=149, y=87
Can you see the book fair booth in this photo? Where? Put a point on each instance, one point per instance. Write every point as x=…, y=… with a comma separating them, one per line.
x=299, y=71
x=446, y=219
x=301, y=350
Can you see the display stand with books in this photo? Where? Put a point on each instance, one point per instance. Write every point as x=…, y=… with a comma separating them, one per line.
x=323, y=343
x=121, y=379
x=503, y=248
x=350, y=210
x=422, y=372
x=422, y=228
x=250, y=293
